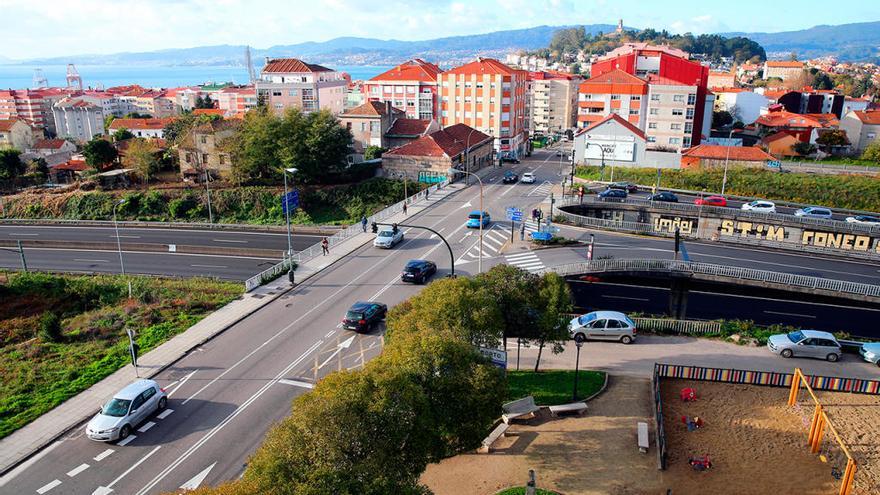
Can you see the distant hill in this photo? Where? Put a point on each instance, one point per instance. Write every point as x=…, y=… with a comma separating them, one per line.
x=853, y=42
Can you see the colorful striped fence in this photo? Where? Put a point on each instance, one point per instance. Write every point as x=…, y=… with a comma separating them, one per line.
x=768, y=378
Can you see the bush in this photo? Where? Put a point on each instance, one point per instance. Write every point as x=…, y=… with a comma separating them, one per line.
x=50, y=327
x=179, y=208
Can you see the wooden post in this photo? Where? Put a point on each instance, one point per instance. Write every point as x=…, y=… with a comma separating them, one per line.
x=848, y=477
x=795, y=387
x=817, y=440
x=814, y=425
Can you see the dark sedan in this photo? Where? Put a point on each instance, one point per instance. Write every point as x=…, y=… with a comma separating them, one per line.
x=612, y=195
x=364, y=315
x=510, y=178
x=624, y=186
x=664, y=196
x=418, y=271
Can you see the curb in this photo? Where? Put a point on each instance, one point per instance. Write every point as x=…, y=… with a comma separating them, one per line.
x=604, y=386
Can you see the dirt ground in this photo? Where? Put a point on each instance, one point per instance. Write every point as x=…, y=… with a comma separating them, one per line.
x=588, y=455
x=757, y=443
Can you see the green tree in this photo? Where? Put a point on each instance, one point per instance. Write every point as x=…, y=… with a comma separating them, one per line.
x=254, y=147
x=205, y=102
x=136, y=115
x=721, y=118
x=513, y=290
x=142, y=156
x=831, y=138
x=122, y=135
x=178, y=128
x=11, y=166
x=803, y=149
x=50, y=327
x=552, y=326
x=373, y=152
x=38, y=168
x=99, y=153
x=107, y=121
x=872, y=152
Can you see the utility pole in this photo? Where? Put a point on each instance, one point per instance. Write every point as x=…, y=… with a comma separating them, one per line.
x=21, y=253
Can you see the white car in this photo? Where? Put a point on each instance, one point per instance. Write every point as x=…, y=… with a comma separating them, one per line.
x=387, y=238
x=760, y=206
x=527, y=178
x=814, y=212
x=124, y=412
x=603, y=325
x=864, y=219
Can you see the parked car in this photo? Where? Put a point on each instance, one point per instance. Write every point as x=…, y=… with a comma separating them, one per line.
x=871, y=352
x=814, y=212
x=510, y=159
x=387, y=238
x=603, y=325
x=126, y=410
x=418, y=271
x=864, y=219
x=510, y=178
x=612, y=194
x=364, y=315
x=805, y=343
x=720, y=201
x=664, y=196
x=760, y=206
x=473, y=221
x=527, y=178
x=626, y=186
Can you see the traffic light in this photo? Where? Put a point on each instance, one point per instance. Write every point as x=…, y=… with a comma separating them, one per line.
x=677, y=242
x=375, y=228
x=394, y=229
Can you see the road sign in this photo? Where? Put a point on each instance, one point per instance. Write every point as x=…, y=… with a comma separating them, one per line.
x=290, y=201
x=542, y=236
x=497, y=356
x=517, y=216
x=513, y=211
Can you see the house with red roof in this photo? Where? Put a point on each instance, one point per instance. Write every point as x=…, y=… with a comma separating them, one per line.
x=799, y=125
x=610, y=141
x=404, y=130
x=143, y=128
x=17, y=134
x=783, y=69
x=292, y=83
x=862, y=128
x=68, y=171
x=411, y=87
x=368, y=124
x=781, y=143
x=716, y=156
x=457, y=146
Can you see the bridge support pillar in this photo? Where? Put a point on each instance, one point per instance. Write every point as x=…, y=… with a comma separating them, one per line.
x=678, y=296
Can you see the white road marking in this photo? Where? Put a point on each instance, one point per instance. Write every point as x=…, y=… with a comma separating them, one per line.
x=128, y=440
x=296, y=383
x=13, y=234
x=146, y=426
x=185, y=379
x=48, y=486
x=330, y=333
x=342, y=345
x=209, y=266
x=27, y=464
x=789, y=314
x=468, y=204
x=627, y=298
x=75, y=471
x=229, y=240
x=92, y=261
x=103, y=455
x=197, y=480
x=529, y=266
x=521, y=255
x=162, y=254
x=103, y=490
x=126, y=236
x=164, y=414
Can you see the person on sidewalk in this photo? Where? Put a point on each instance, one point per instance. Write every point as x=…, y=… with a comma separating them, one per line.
x=404, y=208
x=426, y=194
x=364, y=223
x=522, y=231
x=325, y=246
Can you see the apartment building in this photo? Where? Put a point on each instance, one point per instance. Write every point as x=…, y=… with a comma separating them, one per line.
x=614, y=92
x=16, y=134
x=292, y=83
x=862, y=128
x=34, y=106
x=488, y=96
x=783, y=69
x=78, y=118
x=411, y=87
x=552, y=101
x=236, y=100
x=368, y=124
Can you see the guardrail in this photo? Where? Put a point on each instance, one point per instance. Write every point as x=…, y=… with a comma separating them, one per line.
x=733, y=272
x=339, y=237
x=658, y=420
x=843, y=167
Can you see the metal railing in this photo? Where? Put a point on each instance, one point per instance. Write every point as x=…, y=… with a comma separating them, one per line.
x=843, y=167
x=732, y=272
x=335, y=239
x=688, y=327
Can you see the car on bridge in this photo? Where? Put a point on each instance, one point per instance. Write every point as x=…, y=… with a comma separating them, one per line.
x=814, y=212
x=612, y=195
x=527, y=178
x=665, y=196
x=387, y=238
x=603, y=325
x=130, y=407
x=473, y=221
x=864, y=219
x=418, y=271
x=760, y=206
x=362, y=316
x=626, y=186
x=719, y=201
x=870, y=352
x=510, y=178
x=805, y=343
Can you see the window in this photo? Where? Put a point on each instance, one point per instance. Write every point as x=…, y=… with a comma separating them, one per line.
x=674, y=140
x=363, y=127
x=479, y=85
x=655, y=97
x=675, y=127
x=468, y=84
x=398, y=89
x=411, y=90
x=375, y=126
x=635, y=98
x=458, y=99
x=137, y=402
x=398, y=103
x=276, y=93
x=687, y=142
x=655, y=111
x=634, y=112
x=204, y=140
x=652, y=139
x=689, y=127
x=652, y=125
x=872, y=135
x=293, y=92
x=690, y=113
x=677, y=112
x=614, y=324
x=615, y=97
x=678, y=98
x=692, y=99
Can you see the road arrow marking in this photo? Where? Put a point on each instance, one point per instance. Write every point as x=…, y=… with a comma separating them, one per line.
x=342, y=345
x=198, y=479
x=187, y=377
x=465, y=205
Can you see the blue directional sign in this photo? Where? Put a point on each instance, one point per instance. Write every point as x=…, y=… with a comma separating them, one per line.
x=513, y=212
x=290, y=201
x=542, y=236
x=517, y=216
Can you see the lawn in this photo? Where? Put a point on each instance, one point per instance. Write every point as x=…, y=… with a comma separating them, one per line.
x=43, y=363
x=552, y=387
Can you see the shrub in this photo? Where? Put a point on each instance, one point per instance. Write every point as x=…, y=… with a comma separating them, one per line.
x=179, y=208
x=153, y=204
x=50, y=327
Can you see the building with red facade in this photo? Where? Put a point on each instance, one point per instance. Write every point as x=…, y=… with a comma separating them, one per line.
x=489, y=96
x=411, y=87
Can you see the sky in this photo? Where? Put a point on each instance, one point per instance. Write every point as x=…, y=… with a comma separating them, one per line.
x=45, y=28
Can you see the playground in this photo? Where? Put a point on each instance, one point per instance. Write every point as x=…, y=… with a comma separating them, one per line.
x=756, y=443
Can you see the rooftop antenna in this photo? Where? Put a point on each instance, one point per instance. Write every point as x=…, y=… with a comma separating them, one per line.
x=250, y=65
x=40, y=80
x=73, y=77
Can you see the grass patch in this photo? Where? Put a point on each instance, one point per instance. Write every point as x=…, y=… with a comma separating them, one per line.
x=521, y=490
x=836, y=160
x=40, y=369
x=552, y=387
x=835, y=191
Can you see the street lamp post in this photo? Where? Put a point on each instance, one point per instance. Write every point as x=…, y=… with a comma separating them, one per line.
x=602, y=150
x=118, y=242
x=467, y=153
x=726, y=160
x=287, y=209
x=577, y=360
x=208, y=190
x=480, y=181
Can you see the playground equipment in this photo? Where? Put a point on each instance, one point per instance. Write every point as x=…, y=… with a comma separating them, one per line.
x=702, y=463
x=688, y=395
x=817, y=427
x=692, y=424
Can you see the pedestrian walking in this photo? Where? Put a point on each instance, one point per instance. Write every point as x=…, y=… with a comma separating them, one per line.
x=364, y=223
x=404, y=208
x=426, y=194
x=325, y=246
x=522, y=231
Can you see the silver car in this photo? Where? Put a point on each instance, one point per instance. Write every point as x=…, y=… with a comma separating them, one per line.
x=814, y=212
x=871, y=352
x=805, y=343
x=124, y=412
x=387, y=238
x=603, y=325
x=760, y=206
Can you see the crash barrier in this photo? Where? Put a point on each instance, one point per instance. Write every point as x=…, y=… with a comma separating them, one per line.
x=817, y=426
x=844, y=168
x=337, y=238
x=718, y=271
x=688, y=327
x=658, y=420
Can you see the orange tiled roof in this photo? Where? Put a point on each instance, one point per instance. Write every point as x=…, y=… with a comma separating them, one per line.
x=292, y=65
x=411, y=70
x=777, y=136
x=49, y=144
x=447, y=142
x=870, y=117
x=484, y=66
x=208, y=111
x=370, y=109
x=6, y=125
x=408, y=127
x=736, y=153
x=617, y=118
x=790, y=64
x=615, y=76
x=787, y=119
x=133, y=124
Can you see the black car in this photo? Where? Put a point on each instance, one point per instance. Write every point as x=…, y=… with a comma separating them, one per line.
x=418, y=271
x=612, y=194
x=624, y=186
x=510, y=178
x=363, y=315
x=510, y=160
x=664, y=196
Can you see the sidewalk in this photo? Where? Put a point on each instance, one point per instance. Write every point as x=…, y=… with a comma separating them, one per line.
x=41, y=432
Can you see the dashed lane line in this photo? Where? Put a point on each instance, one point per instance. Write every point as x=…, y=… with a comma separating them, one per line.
x=146, y=427
x=75, y=471
x=126, y=441
x=103, y=455
x=48, y=486
x=164, y=414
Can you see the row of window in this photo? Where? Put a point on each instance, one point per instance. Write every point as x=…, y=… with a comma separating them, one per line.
x=674, y=141
x=479, y=85
x=688, y=126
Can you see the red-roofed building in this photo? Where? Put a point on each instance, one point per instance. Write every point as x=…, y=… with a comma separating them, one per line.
x=51, y=146
x=713, y=155
x=487, y=95
x=552, y=101
x=610, y=141
x=292, y=83
x=405, y=130
x=614, y=92
x=145, y=128
x=68, y=171
x=17, y=134
x=783, y=69
x=434, y=154
x=781, y=143
x=368, y=124
x=411, y=87
x=862, y=128
x=798, y=125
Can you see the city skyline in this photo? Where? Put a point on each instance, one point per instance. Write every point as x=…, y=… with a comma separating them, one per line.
x=79, y=27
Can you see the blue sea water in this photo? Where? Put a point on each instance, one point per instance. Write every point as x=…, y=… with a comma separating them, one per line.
x=21, y=76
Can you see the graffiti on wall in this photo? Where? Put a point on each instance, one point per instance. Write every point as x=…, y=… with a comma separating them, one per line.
x=669, y=224
x=752, y=229
x=821, y=239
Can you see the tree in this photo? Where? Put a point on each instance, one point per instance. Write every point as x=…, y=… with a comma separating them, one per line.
x=831, y=138
x=11, y=166
x=137, y=115
x=199, y=103
x=513, y=290
x=38, y=167
x=141, y=155
x=178, y=128
x=107, y=121
x=803, y=149
x=552, y=327
x=872, y=152
x=373, y=152
x=122, y=135
x=721, y=119
x=99, y=153
x=254, y=147
x=205, y=102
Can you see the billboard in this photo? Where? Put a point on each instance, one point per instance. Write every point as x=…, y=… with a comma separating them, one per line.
x=619, y=149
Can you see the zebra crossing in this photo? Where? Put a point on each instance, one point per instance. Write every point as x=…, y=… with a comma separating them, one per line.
x=493, y=239
x=527, y=261
x=542, y=189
